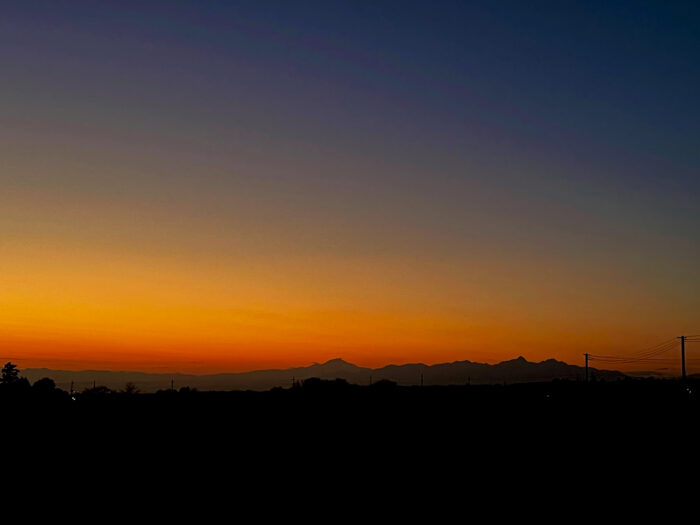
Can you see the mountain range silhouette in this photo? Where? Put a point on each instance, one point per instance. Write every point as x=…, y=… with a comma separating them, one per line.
x=518, y=370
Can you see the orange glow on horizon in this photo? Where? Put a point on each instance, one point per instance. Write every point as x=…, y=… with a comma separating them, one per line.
x=78, y=305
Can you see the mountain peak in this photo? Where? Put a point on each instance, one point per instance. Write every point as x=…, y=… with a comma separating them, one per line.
x=337, y=361
x=551, y=361
x=520, y=360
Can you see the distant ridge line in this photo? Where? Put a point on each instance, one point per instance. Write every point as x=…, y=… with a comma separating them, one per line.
x=518, y=370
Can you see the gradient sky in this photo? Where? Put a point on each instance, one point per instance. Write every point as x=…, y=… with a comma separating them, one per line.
x=221, y=186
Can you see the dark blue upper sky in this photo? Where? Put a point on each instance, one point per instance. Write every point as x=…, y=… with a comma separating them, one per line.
x=594, y=72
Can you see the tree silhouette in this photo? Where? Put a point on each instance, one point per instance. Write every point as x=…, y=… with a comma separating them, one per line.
x=45, y=385
x=130, y=389
x=10, y=374
x=384, y=384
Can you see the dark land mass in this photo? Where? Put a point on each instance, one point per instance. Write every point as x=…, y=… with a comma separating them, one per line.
x=383, y=404
x=456, y=373
x=339, y=409
x=329, y=434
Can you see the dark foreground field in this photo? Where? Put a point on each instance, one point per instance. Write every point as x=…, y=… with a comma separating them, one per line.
x=338, y=410
x=379, y=437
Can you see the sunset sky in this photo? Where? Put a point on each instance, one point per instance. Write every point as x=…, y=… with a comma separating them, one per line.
x=219, y=186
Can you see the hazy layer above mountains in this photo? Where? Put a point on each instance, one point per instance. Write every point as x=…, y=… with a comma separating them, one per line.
x=457, y=373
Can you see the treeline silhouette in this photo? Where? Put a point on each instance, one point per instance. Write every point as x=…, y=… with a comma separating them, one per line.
x=332, y=399
x=348, y=431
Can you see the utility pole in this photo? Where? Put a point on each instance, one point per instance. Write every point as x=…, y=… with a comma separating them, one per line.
x=682, y=338
x=172, y=385
x=421, y=379
x=587, y=355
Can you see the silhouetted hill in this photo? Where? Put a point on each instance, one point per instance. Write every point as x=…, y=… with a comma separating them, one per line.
x=456, y=373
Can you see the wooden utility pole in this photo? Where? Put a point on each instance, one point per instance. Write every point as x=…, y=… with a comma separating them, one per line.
x=587, y=356
x=682, y=338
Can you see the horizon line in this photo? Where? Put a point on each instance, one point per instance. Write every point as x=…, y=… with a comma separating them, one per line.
x=171, y=373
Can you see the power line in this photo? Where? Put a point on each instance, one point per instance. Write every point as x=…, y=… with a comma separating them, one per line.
x=653, y=350
x=640, y=356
